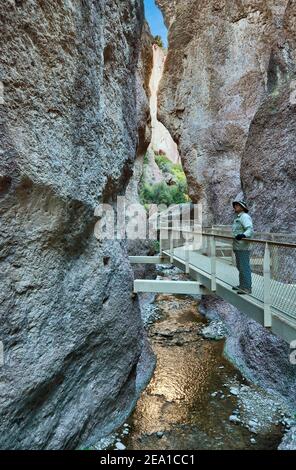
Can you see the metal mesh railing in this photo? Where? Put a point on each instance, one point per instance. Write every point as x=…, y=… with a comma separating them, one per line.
x=283, y=278
x=266, y=269
x=271, y=267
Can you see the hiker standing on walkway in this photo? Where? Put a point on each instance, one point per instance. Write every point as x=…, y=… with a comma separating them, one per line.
x=242, y=228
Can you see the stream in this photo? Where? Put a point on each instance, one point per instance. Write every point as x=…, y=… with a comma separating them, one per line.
x=196, y=399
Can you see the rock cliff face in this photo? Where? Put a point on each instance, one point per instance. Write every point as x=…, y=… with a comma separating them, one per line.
x=269, y=166
x=145, y=67
x=268, y=169
x=228, y=98
x=224, y=58
x=71, y=332
x=161, y=140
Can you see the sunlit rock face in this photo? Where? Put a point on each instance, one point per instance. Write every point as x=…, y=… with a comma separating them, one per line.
x=168, y=8
x=223, y=59
x=72, y=333
x=145, y=67
x=161, y=140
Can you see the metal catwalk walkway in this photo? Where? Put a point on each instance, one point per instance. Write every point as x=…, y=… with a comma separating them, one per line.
x=208, y=260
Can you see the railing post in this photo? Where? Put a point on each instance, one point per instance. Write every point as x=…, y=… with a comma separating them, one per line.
x=171, y=238
x=208, y=246
x=213, y=262
x=187, y=258
x=160, y=243
x=275, y=258
x=267, y=285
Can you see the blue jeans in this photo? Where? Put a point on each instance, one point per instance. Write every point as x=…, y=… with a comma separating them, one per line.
x=243, y=265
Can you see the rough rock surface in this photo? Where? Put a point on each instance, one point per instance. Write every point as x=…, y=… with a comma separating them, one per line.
x=269, y=175
x=161, y=140
x=168, y=8
x=268, y=169
x=289, y=441
x=224, y=57
x=145, y=66
x=71, y=332
x=228, y=98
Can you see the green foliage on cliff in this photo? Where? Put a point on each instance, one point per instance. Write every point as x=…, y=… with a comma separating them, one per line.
x=158, y=41
x=165, y=165
x=162, y=193
x=163, y=162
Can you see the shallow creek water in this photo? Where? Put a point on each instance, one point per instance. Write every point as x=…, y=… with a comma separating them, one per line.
x=194, y=391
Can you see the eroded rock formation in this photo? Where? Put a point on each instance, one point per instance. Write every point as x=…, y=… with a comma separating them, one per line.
x=228, y=98
x=224, y=58
x=71, y=331
x=161, y=140
x=269, y=165
x=268, y=168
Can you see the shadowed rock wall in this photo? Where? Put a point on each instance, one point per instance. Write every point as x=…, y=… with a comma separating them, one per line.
x=70, y=131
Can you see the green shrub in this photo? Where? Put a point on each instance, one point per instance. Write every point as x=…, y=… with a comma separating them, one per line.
x=161, y=193
x=158, y=41
x=164, y=163
x=178, y=172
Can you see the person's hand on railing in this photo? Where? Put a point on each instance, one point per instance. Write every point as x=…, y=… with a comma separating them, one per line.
x=240, y=236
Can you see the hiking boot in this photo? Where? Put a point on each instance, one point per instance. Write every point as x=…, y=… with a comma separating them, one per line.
x=242, y=291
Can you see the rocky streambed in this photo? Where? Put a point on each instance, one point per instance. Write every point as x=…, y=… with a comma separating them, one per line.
x=196, y=399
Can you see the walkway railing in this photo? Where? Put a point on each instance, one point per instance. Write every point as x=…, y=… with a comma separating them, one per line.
x=273, y=264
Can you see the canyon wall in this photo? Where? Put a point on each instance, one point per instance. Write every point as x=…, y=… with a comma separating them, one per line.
x=71, y=331
x=228, y=97
x=268, y=168
x=224, y=58
x=161, y=140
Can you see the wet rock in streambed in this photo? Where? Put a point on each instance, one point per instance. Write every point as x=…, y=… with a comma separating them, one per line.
x=289, y=440
x=165, y=334
x=120, y=446
x=288, y=422
x=195, y=395
x=215, y=330
x=234, y=419
x=168, y=270
x=234, y=391
x=150, y=313
x=258, y=411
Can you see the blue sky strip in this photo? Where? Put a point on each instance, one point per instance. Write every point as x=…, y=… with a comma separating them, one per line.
x=155, y=20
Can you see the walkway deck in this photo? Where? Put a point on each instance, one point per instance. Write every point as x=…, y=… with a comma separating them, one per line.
x=273, y=300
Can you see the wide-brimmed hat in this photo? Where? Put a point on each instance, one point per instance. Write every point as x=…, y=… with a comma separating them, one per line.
x=241, y=203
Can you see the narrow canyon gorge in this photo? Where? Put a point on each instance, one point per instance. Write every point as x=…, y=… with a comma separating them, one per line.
x=91, y=104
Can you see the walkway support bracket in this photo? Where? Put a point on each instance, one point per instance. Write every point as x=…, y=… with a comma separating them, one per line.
x=148, y=260
x=168, y=287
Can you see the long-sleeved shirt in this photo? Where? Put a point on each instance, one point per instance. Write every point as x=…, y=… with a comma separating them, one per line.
x=242, y=225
